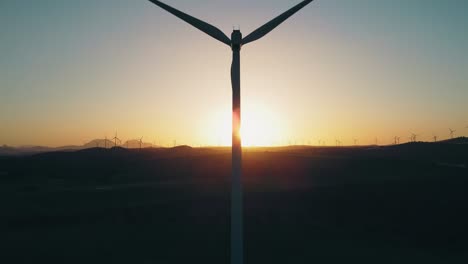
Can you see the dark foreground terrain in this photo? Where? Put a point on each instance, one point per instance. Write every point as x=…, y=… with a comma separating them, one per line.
x=396, y=204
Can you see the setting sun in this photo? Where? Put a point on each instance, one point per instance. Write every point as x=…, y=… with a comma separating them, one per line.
x=260, y=127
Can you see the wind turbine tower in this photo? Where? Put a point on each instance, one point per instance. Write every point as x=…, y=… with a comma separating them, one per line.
x=235, y=43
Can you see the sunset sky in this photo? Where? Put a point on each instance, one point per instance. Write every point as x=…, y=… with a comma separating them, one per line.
x=73, y=71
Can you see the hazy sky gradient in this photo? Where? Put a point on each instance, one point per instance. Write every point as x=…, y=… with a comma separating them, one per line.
x=71, y=71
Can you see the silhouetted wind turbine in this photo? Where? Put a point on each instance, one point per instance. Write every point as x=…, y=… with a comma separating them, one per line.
x=140, y=141
x=452, y=132
x=115, y=140
x=355, y=142
x=105, y=142
x=235, y=43
x=435, y=138
x=414, y=137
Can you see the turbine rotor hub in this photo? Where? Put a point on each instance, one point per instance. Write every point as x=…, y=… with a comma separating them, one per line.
x=236, y=40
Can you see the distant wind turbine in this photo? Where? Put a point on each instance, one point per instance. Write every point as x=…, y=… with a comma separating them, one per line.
x=236, y=42
x=140, y=141
x=452, y=133
x=105, y=142
x=115, y=139
x=355, y=142
x=414, y=137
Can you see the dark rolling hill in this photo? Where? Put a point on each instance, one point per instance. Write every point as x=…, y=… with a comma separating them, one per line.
x=394, y=204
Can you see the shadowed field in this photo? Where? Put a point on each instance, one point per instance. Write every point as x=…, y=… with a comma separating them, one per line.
x=396, y=204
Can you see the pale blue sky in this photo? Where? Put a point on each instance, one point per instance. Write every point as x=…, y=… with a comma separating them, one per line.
x=71, y=71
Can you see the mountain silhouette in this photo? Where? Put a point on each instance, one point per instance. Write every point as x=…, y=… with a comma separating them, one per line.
x=100, y=143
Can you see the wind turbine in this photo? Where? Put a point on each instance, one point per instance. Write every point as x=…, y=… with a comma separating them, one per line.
x=414, y=137
x=105, y=142
x=355, y=142
x=452, y=132
x=140, y=141
x=434, y=137
x=236, y=42
x=115, y=139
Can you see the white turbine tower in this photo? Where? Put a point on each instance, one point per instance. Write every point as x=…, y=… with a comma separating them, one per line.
x=236, y=42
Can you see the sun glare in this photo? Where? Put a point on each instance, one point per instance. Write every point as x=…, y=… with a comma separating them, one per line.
x=260, y=127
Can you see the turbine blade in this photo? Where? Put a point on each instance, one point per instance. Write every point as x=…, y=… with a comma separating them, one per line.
x=203, y=26
x=265, y=29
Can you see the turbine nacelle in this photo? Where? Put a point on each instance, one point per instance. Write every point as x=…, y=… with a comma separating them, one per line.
x=236, y=40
